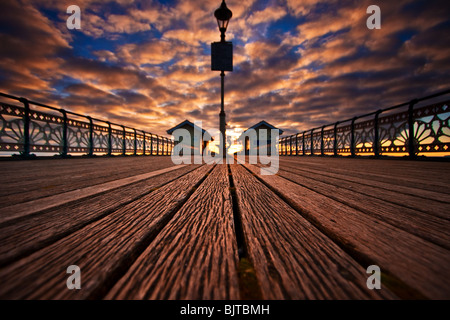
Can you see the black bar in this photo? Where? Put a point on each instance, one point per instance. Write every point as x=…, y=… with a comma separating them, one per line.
x=303, y=142
x=376, y=139
x=296, y=144
x=290, y=145
x=151, y=144
x=91, y=137
x=312, y=142
x=352, y=137
x=322, y=152
x=135, y=142
x=144, y=144
x=26, y=128
x=411, y=144
x=124, y=142
x=65, y=145
x=157, y=145
x=335, y=143
x=109, y=138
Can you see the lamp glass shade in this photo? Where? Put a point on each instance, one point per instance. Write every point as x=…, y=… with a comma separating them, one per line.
x=223, y=16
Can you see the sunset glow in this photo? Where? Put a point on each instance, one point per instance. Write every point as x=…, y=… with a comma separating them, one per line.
x=297, y=64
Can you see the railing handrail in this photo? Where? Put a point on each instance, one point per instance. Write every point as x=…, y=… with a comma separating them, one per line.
x=163, y=144
x=62, y=110
x=414, y=101
x=363, y=137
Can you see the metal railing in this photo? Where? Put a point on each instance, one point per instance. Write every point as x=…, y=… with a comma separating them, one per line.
x=38, y=128
x=383, y=132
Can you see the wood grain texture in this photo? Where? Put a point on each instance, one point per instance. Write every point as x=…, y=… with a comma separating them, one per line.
x=293, y=259
x=381, y=204
x=103, y=249
x=21, y=210
x=33, y=233
x=33, y=179
x=419, y=264
x=195, y=255
x=413, y=194
x=424, y=175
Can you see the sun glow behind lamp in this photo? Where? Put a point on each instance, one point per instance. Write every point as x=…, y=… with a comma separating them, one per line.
x=222, y=60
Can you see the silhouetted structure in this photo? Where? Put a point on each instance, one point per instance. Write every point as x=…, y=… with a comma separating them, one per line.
x=196, y=133
x=245, y=137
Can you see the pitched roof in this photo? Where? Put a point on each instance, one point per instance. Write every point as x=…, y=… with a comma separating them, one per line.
x=189, y=123
x=263, y=122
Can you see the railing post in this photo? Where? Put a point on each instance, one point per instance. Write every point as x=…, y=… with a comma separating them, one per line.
x=290, y=145
x=303, y=144
x=166, y=146
x=282, y=147
x=26, y=127
x=151, y=144
x=144, y=144
x=135, y=142
x=296, y=144
x=157, y=145
x=124, y=141
x=376, y=138
x=352, y=138
x=335, y=143
x=312, y=142
x=411, y=144
x=163, y=146
x=109, y=139
x=65, y=146
x=91, y=136
x=321, y=142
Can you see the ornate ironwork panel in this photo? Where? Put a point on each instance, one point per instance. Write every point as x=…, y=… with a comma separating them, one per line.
x=328, y=141
x=316, y=141
x=343, y=139
x=11, y=128
x=364, y=136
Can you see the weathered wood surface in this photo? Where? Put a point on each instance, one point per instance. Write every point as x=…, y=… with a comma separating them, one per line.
x=22, y=210
x=412, y=192
x=421, y=266
x=385, y=205
x=310, y=231
x=294, y=258
x=33, y=233
x=195, y=256
x=425, y=175
x=102, y=249
x=56, y=176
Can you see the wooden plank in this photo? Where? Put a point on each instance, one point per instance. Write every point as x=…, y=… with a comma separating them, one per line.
x=413, y=195
x=103, y=249
x=24, y=236
x=30, y=180
x=423, y=175
x=292, y=258
x=380, y=204
x=195, y=255
x=31, y=207
x=421, y=266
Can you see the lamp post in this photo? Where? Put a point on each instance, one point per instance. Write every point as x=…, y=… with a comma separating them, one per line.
x=222, y=60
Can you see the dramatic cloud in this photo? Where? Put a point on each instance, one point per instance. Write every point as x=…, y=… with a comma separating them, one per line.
x=297, y=64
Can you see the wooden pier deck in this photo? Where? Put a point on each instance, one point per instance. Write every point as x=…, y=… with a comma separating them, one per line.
x=143, y=228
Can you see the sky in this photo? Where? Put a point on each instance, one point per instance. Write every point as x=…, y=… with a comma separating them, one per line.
x=297, y=64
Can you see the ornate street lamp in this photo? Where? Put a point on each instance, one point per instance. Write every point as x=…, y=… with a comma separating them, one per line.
x=222, y=60
x=223, y=16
